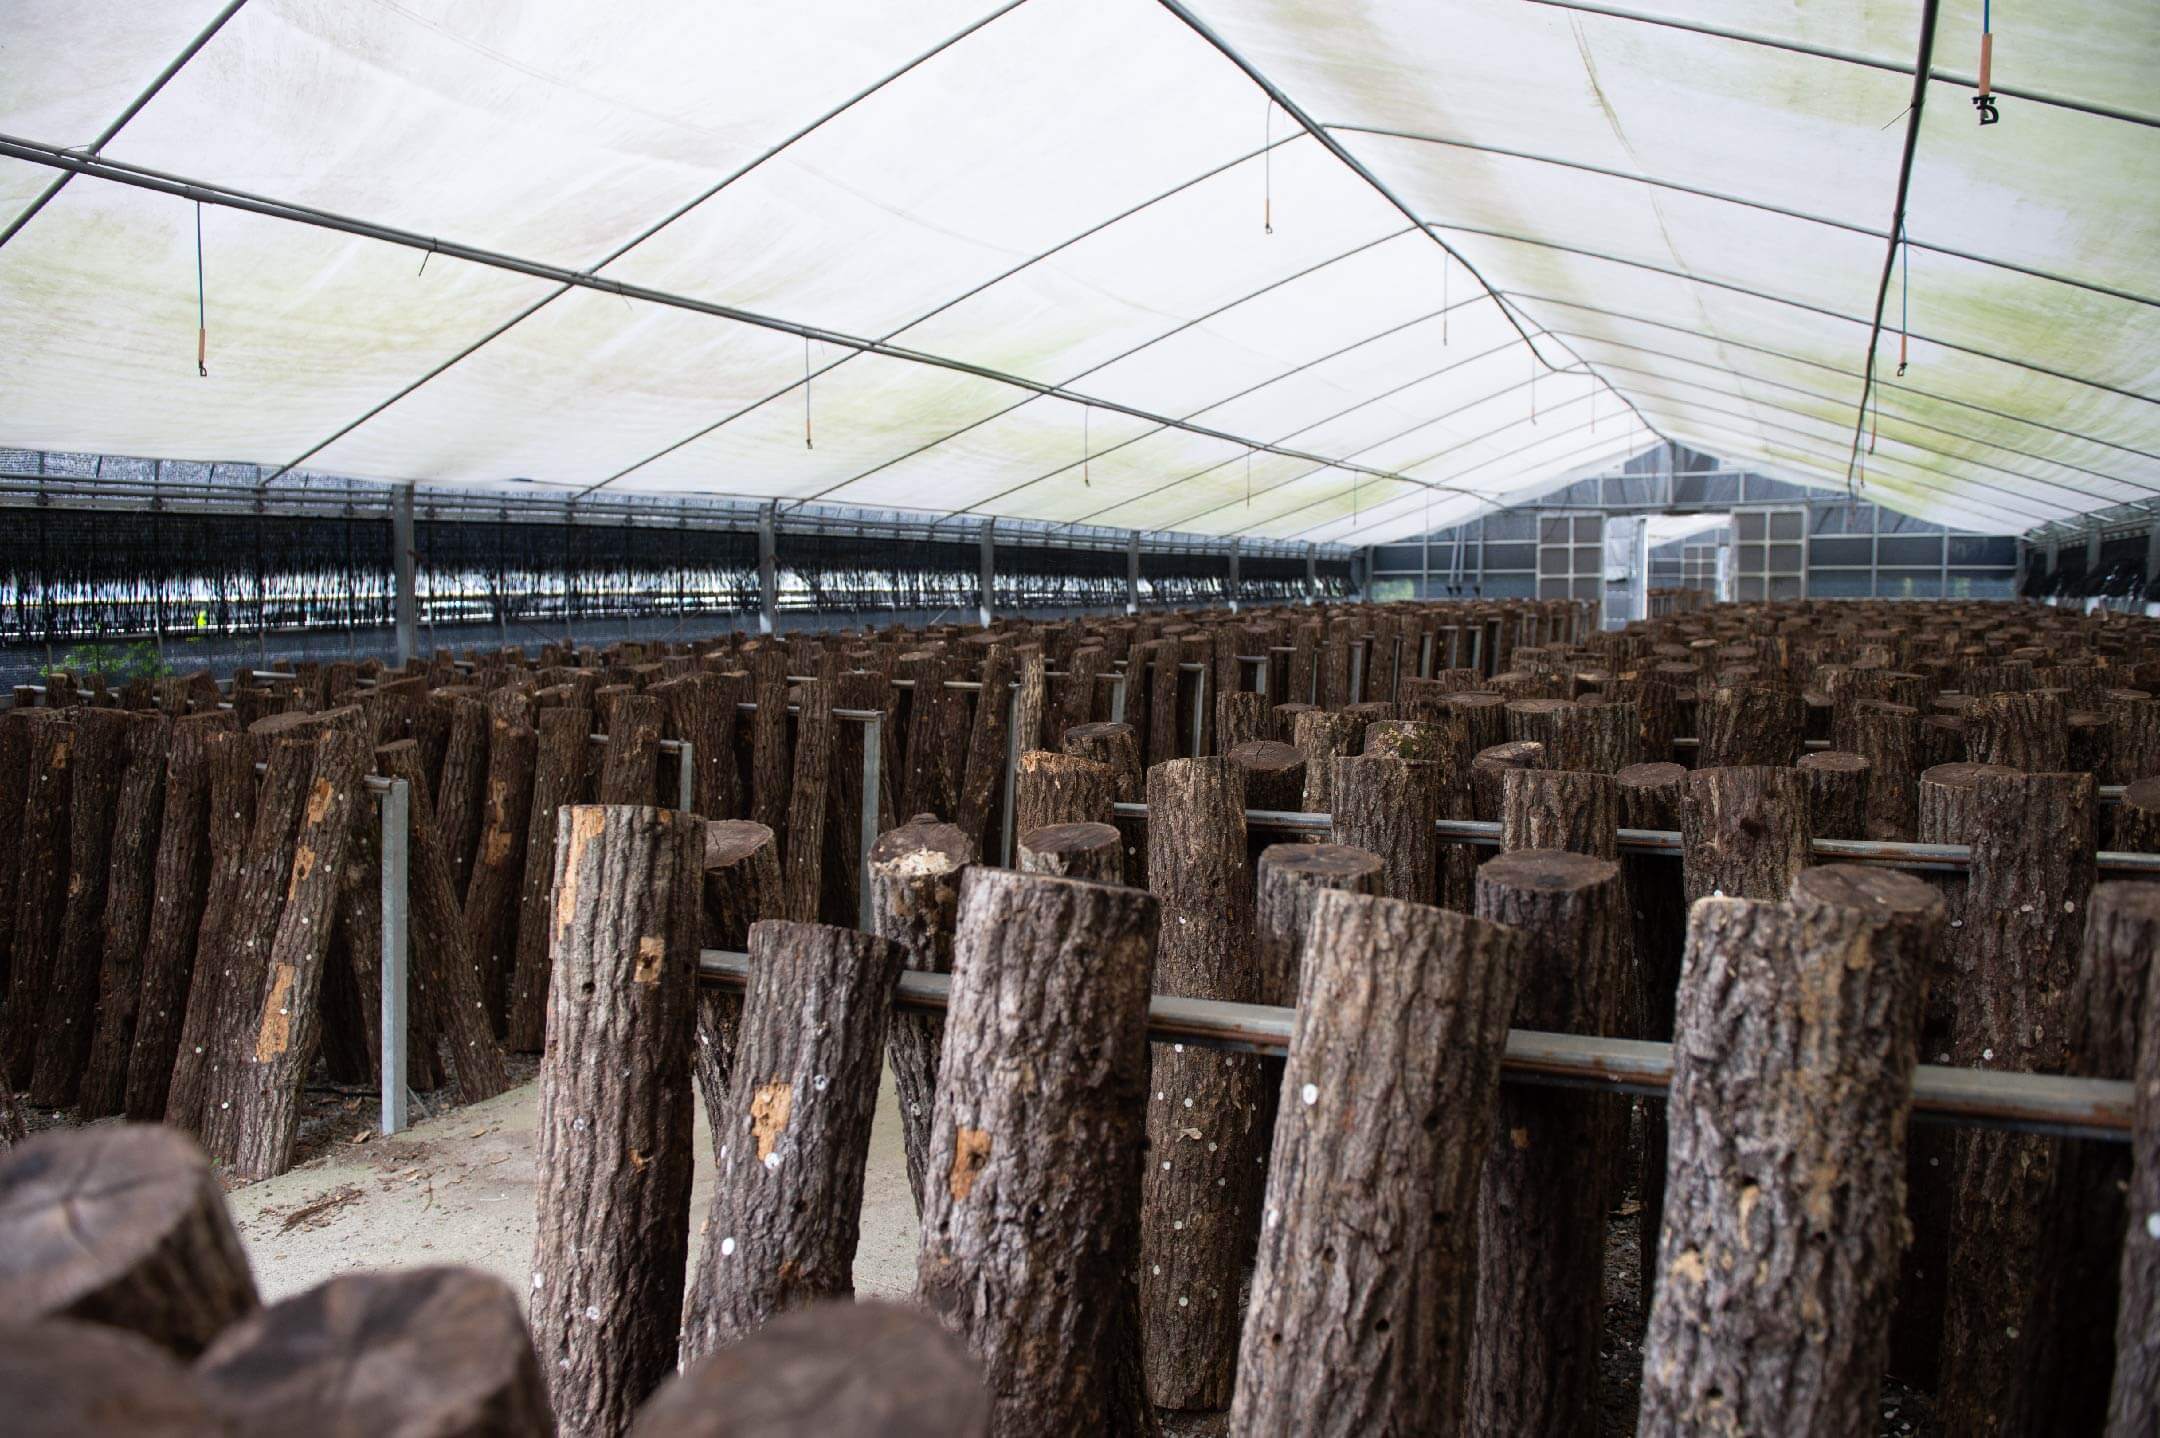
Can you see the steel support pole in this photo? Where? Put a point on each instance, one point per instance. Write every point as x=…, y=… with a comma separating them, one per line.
x=986, y=580
x=406, y=602
x=873, y=744
x=396, y=804
x=1132, y=572
x=1234, y=579
x=1312, y=573
x=768, y=569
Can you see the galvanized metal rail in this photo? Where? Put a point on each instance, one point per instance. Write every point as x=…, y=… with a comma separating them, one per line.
x=1883, y=853
x=1983, y=1098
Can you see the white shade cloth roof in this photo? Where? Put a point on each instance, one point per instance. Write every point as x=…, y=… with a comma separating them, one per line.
x=1665, y=222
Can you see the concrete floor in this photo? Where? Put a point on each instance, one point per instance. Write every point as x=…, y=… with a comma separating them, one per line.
x=459, y=1189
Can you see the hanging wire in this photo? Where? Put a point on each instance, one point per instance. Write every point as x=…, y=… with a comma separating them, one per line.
x=1984, y=98
x=1267, y=168
x=806, y=441
x=1904, y=296
x=202, y=322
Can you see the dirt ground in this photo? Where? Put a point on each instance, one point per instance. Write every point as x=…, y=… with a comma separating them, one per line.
x=458, y=1188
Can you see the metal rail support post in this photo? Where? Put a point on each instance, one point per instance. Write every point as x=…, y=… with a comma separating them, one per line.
x=395, y=800
x=405, y=603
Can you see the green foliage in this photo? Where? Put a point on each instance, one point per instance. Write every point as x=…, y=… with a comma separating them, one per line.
x=115, y=664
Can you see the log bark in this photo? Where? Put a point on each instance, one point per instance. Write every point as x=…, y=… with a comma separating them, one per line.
x=1274, y=773
x=2137, y=817
x=268, y=1071
x=787, y=1200
x=498, y=867
x=611, y=1239
x=79, y=1380
x=1792, y=1087
x=242, y=956
x=1324, y=738
x=701, y=710
x=1381, y=804
x=1540, y=1227
x=1837, y=786
x=1028, y=1231
x=741, y=888
x=802, y=877
x=2015, y=961
x=123, y=1226
x=1241, y=716
x=1061, y=789
x=1290, y=879
x=826, y=1370
x=976, y=811
x=453, y=989
x=1560, y=809
x=130, y=904
x=1113, y=745
x=1749, y=726
x=14, y=785
x=229, y=760
x=460, y=794
x=561, y=759
x=1361, y=1311
x=630, y=761
x=439, y=1352
x=1199, y=1187
x=2134, y=1400
x=1743, y=833
x=2081, y=1269
x=1489, y=771
x=2027, y=731
x=915, y=895
x=1094, y=852
x=68, y=1018
x=1888, y=737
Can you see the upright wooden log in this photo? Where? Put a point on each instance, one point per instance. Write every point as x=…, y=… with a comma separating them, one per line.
x=2137, y=817
x=1837, y=788
x=561, y=759
x=78, y=1380
x=239, y=963
x=701, y=710
x=229, y=760
x=828, y=1369
x=498, y=865
x=630, y=762
x=1743, y=832
x=2080, y=1272
x=1749, y=726
x=1792, y=1084
x=1540, y=1227
x=460, y=793
x=1489, y=771
x=1112, y=745
x=2026, y=731
x=1323, y=738
x=425, y=1352
x=1560, y=809
x=453, y=986
x=1362, y=1306
x=2134, y=1399
x=741, y=888
x=279, y=1043
x=1888, y=737
x=1029, y=1230
x=1241, y=716
x=14, y=786
x=1274, y=773
x=130, y=904
x=121, y=1225
x=1290, y=878
x=1061, y=789
x=68, y=1018
x=2015, y=960
x=611, y=1238
x=1382, y=805
x=1199, y=1186
x=915, y=895
x=1094, y=852
x=802, y=877
x=782, y=1227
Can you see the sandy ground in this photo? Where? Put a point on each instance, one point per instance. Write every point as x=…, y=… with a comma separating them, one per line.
x=459, y=1189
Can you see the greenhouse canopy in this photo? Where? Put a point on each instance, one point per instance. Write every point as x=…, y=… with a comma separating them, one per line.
x=1318, y=272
